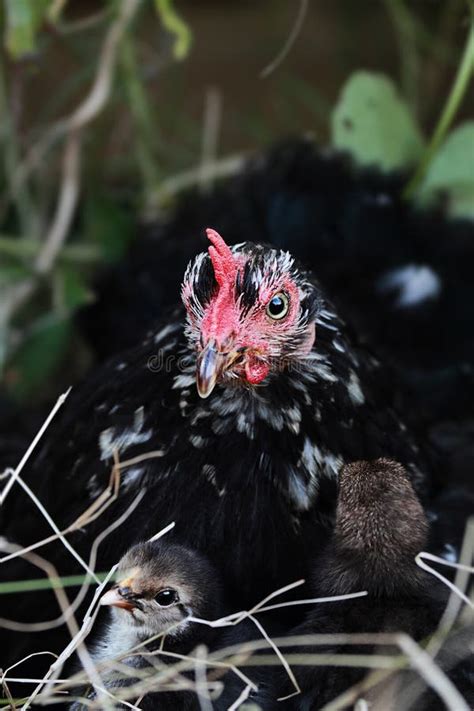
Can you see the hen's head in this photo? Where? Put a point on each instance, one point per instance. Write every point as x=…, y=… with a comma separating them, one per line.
x=250, y=311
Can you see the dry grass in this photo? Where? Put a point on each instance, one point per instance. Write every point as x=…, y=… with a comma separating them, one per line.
x=202, y=671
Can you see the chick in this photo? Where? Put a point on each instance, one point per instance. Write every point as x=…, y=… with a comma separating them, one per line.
x=160, y=587
x=380, y=527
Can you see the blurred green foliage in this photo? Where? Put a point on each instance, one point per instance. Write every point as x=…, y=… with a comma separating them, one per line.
x=173, y=22
x=451, y=173
x=23, y=21
x=108, y=225
x=375, y=125
x=99, y=62
x=37, y=332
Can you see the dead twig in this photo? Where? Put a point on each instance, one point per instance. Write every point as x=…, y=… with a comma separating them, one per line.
x=64, y=605
x=292, y=37
x=71, y=127
x=210, y=137
x=67, y=202
x=97, y=97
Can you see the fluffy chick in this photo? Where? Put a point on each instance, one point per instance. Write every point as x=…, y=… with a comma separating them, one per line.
x=380, y=527
x=160, y=587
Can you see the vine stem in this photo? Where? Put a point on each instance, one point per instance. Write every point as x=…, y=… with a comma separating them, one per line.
x=11, y=151
x=456, y=95
x=405, y=31
x=142, y=117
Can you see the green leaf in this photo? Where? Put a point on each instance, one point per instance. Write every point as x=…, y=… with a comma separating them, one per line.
x=39, y=355
x=75, y=289
x=176, y=25
x=23, y=20
x=20, y=30
x=374, y=124
x=109, y=225
x=20, y=586
x=12, y=273
x=451, y=174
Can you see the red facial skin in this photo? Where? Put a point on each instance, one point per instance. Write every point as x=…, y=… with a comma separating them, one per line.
x=236, y=342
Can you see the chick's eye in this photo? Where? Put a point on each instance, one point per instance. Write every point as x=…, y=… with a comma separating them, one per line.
x=167, y=597
x=278, y=305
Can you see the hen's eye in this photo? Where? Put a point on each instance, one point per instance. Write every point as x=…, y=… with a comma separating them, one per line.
x=167, y=597
x=278, y=306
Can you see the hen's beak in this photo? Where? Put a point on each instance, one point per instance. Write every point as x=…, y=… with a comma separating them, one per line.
x=211, y=363
x=119, y=597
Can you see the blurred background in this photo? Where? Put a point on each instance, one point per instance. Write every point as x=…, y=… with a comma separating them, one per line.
x=110, y=109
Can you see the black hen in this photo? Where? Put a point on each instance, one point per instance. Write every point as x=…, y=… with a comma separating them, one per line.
x=249, y=473
x=402, y=276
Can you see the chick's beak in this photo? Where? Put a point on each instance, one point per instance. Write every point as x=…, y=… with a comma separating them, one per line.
x=119, y=596
x=211, y=363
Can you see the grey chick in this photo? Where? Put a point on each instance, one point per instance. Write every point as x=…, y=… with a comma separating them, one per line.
x=380, y=528
x=160, y=587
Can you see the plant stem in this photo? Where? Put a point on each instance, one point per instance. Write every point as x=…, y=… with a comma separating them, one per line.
x=172, y=186
x=409, y=61
x=21, y=197
x=461, y=82
x=143, y=121
x=174, y=24
x=17, y=586
x=23, y=248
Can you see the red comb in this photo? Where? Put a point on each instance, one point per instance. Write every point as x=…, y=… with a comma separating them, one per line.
x=225, y=267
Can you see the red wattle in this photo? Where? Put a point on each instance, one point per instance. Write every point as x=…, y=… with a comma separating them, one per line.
x=256, y=370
